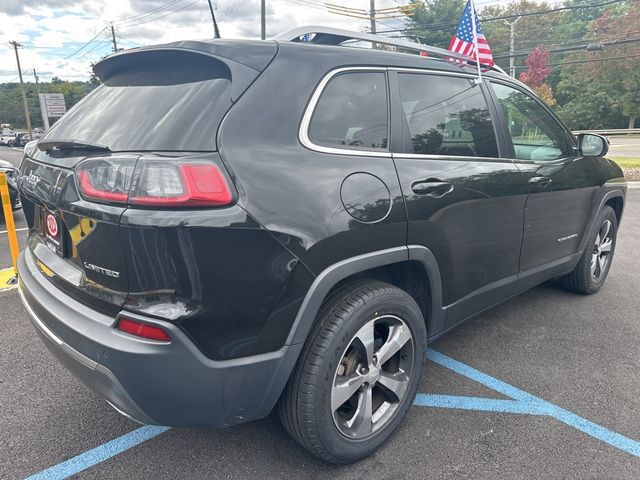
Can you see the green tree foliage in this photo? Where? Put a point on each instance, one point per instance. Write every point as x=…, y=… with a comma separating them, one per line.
x=611, y=87
x=11, y=107
x=434, y=21
x=593, y=94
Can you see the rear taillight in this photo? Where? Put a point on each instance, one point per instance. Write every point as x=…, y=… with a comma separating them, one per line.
x=185, y=185
x=143, y=330
x=106, y=179
x=154, y=182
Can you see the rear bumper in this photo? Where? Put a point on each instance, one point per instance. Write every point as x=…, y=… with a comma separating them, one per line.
x=152, y=383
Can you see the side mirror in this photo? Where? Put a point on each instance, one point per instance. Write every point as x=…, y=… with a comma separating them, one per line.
x=593, y=145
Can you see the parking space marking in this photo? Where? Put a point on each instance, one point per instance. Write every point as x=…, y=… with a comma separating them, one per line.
x=521, y=403
x=8, y=279
x=529, y=404
x=17, y=230
x=472, y=403
x=99, y=454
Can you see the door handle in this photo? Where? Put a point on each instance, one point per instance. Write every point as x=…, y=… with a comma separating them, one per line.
x=543, y=181
x=432, y=188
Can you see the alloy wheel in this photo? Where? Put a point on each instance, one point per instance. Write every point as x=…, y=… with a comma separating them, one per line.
x=602, y=251
x=372, y=377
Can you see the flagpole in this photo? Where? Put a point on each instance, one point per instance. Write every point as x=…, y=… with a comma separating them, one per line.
x=475, y=39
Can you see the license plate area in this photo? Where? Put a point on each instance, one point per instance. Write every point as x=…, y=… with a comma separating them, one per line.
x=52, y=231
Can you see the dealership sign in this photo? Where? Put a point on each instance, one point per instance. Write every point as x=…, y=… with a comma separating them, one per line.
x=51, y=105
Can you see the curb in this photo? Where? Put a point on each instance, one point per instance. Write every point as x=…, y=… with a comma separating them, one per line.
x=633, y=184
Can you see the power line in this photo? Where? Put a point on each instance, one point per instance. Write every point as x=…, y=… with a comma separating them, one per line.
x=233, y=8
x=146, y=14
x=590, y=60
x=86, y=44
x=161, y=16
x=578, y=47
x=442, y=26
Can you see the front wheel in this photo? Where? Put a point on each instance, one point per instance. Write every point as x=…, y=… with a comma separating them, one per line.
x=593, y=267
x=358, y=373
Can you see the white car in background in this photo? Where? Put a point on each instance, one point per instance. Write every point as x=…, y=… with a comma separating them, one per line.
x=6, y=136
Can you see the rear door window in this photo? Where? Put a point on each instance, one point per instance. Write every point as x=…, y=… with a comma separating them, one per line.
x=445, y=116
x=352, y=113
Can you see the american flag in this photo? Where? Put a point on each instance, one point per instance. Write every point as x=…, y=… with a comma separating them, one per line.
x=462, y=42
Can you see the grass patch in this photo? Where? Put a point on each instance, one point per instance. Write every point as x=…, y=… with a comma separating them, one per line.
x=627, y=162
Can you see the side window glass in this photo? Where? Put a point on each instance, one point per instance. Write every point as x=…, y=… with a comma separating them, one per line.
x=535, y=134
x=352, y=113
x=445, y=115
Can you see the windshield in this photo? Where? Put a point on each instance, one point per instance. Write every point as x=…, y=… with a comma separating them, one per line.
x=176, y=106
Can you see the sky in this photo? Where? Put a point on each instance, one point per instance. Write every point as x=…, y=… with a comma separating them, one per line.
x=63, y=37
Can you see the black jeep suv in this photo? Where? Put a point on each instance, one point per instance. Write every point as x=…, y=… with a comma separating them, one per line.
x=227, y=226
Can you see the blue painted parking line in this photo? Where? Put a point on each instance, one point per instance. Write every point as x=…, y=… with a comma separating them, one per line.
x=99, y=454
x=473, y=403
x=520, y=402
x=529, y=404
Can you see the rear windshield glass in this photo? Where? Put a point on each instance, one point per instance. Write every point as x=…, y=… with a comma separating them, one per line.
x=165, y=101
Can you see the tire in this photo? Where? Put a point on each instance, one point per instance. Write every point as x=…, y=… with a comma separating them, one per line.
x=592, y=269
x=335, y=352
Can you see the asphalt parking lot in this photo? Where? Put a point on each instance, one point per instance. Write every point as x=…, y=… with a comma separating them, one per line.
x=477, y=418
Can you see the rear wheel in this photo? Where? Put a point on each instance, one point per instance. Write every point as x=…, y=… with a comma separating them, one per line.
x=593, y=267
x=358, y=373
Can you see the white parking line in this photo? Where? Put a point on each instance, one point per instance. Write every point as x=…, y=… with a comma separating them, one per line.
x=17, y=230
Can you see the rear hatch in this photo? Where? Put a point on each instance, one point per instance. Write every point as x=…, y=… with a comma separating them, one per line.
x=145, y=138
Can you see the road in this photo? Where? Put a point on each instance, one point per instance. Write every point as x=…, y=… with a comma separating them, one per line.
x=624, y=147
x=579, y=353
x=11, y=154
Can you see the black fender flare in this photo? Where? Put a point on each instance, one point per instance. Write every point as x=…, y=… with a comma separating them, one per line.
x=615, y=192
x=339, y=271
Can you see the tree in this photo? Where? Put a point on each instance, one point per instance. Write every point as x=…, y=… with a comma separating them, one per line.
x=537, y=73
x=434, y=21
x=610, y=77
x=12, y=110
x=529, y=31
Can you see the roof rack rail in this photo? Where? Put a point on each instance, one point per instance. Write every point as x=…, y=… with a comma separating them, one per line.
x=337, y=36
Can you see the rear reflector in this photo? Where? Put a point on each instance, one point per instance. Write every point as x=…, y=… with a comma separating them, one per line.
x=144, y=330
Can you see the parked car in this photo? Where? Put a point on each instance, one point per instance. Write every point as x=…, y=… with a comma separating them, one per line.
x=301, y=246
x=20, y=140
x=12, y=176
x=7, y=136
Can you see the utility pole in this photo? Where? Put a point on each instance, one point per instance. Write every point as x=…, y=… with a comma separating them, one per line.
x=372, y=15
x=27, y=115
x=35, y=77
x=43, y=103
x=113, y=37
x=216, y=32
x=512, y=49
x=263, y=19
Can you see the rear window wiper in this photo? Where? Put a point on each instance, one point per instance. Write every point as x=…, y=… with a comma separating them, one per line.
x=70, y=145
